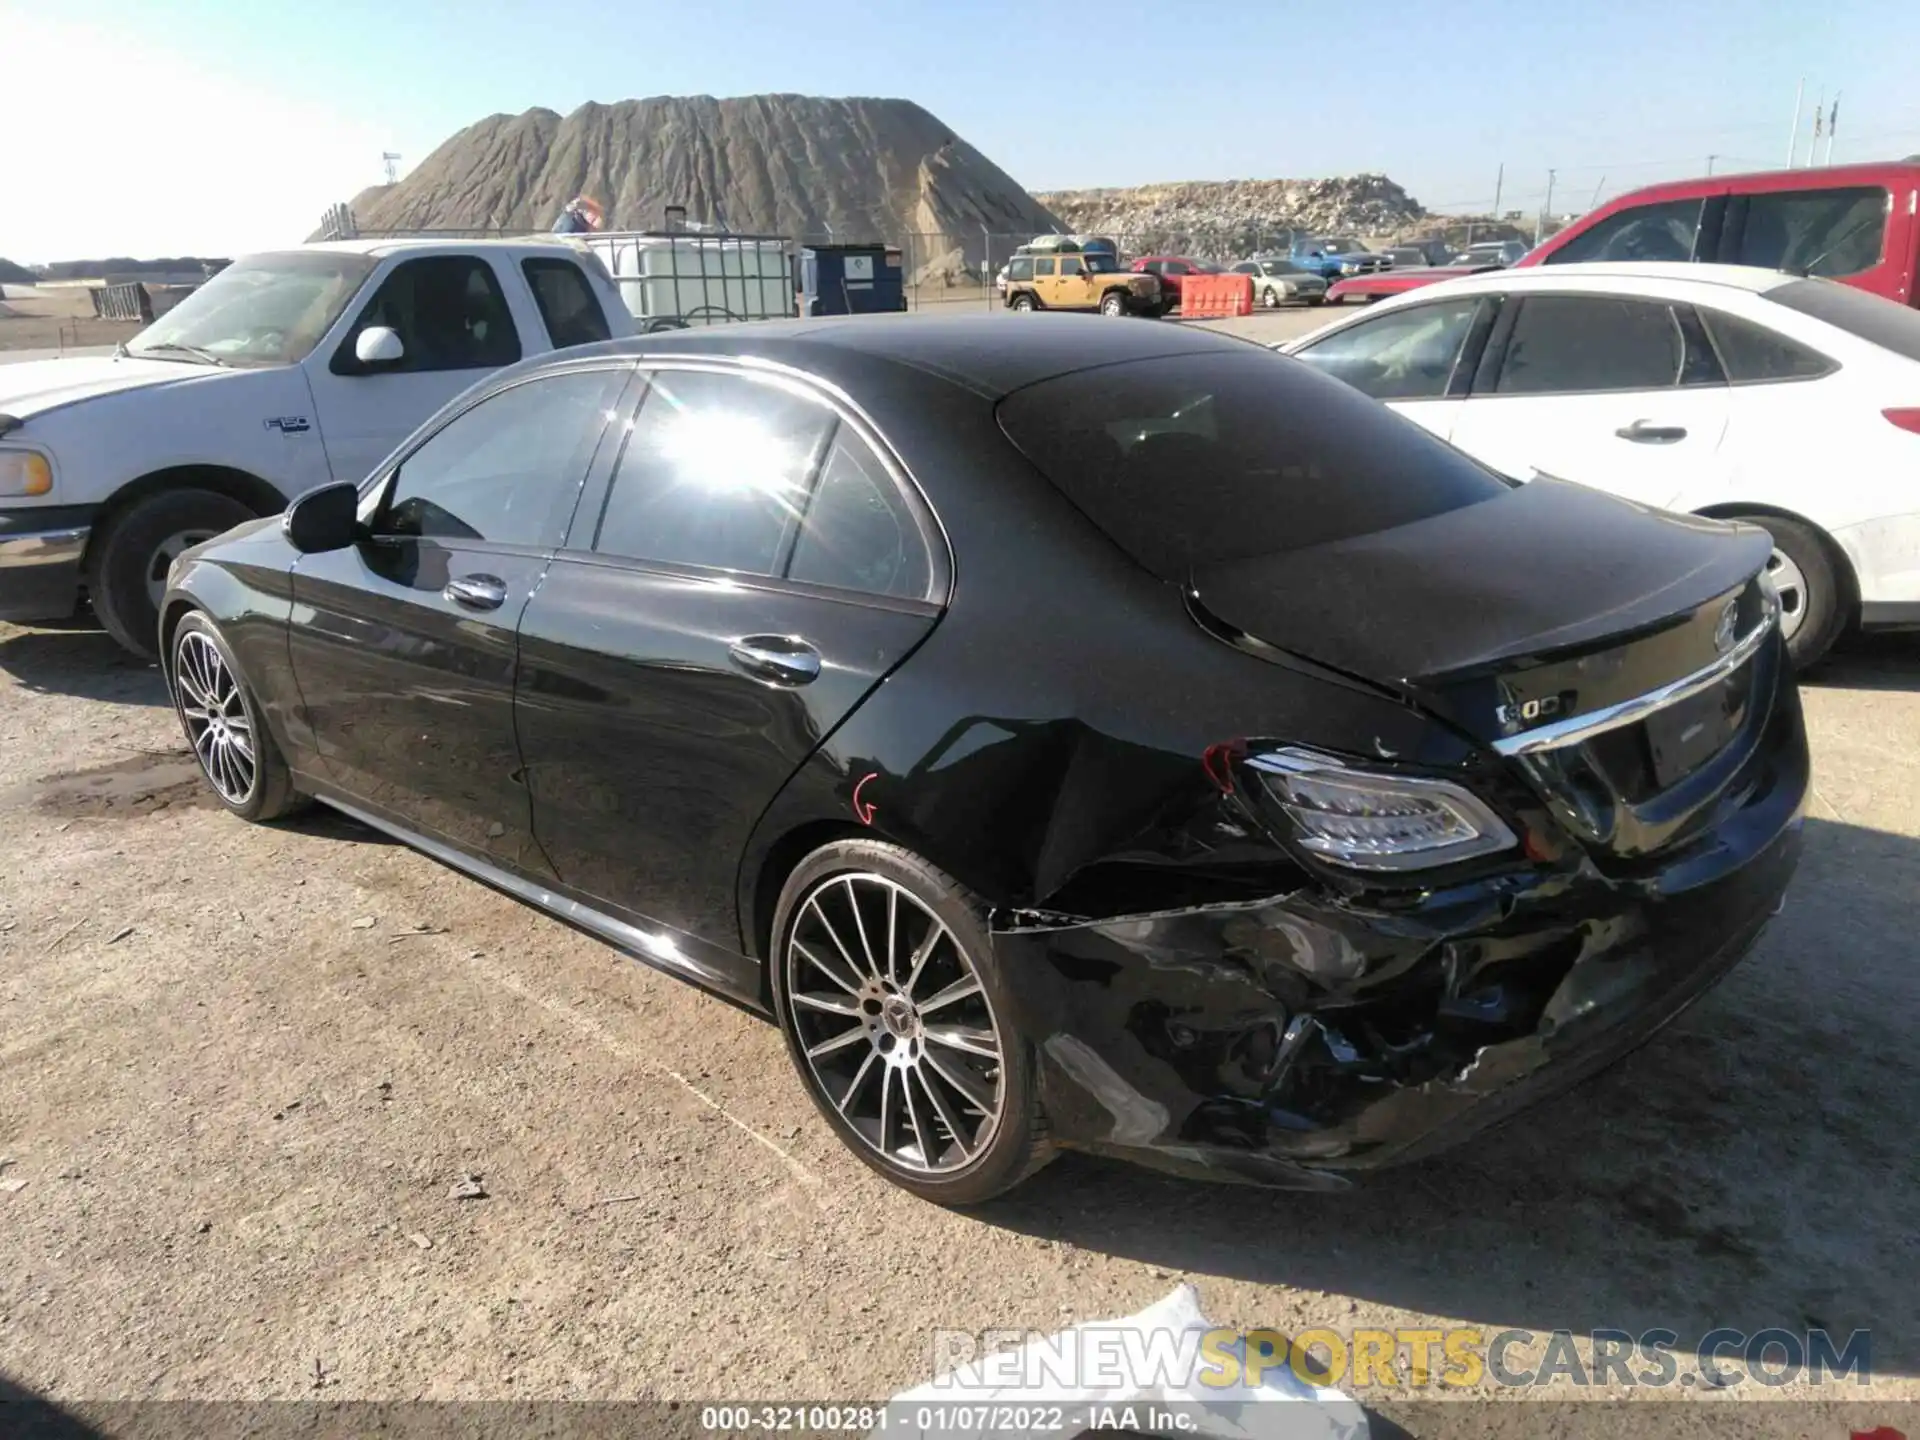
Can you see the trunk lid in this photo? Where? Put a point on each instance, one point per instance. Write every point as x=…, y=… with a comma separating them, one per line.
x=1529, y=617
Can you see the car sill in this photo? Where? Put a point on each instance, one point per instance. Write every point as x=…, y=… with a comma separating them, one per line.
x=664, y=950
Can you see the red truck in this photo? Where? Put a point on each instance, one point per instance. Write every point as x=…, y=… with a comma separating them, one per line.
x=1853, y=223
x=1171, y=269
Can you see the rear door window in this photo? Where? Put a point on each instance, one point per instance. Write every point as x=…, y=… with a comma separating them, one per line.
x=1043, y=266
x=1195, y=459
x=1813, y=232
x=1072, y=266
x=567, y=305
x=857, y=533
x=1868, y=317
x=715, y=472
x=1664, y=231
x=1402, y=355
x=1752, y=353
x=1573, y=344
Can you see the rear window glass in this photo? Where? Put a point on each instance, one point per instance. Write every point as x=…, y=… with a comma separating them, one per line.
x=1199, y=459
x=1880, y=322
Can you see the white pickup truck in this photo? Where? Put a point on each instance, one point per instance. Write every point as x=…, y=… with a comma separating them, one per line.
x=284, y=371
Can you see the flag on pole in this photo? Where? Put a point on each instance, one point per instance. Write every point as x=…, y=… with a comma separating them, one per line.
x=1817, y=118
x=1833, y=120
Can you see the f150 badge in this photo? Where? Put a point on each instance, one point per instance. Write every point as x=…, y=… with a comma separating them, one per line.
x=288, y=424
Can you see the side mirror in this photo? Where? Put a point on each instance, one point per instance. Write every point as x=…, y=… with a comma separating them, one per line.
x=378, y=345
x=324, y=519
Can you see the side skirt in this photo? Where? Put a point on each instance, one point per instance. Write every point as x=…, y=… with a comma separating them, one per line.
x=731, y=977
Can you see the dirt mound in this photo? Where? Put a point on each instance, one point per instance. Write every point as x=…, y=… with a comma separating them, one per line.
x=802, y=166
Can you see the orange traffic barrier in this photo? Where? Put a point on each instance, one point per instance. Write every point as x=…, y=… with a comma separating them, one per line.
x=1214, y=297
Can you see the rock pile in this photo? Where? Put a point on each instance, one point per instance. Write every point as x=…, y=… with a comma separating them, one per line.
x=1237, y=217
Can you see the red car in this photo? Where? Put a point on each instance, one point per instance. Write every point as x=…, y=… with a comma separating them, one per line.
x=1858, y=224
x=1170, y=269
x=1397, y=282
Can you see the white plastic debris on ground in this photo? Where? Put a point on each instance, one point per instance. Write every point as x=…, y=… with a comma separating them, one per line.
x=1147, y=1375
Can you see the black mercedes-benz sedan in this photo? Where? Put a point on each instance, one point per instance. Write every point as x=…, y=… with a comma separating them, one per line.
x=1114, y=737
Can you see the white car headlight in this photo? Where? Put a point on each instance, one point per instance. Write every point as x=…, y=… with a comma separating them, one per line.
x=25, y=472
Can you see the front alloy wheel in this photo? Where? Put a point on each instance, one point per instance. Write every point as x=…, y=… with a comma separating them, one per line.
x=236, y=751
x=1113, y=303
x=898, y=1025
x=216, y=719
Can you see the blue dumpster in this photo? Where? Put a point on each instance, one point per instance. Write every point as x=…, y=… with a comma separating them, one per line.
x=850, y=280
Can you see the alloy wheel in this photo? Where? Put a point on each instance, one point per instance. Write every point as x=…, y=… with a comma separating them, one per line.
x=1790, y=584
x=164, y=554
x=898, y=1034
x=216, y=717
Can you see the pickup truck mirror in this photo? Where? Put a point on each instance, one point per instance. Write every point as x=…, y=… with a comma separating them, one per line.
x=378, y=345
x=324, y=519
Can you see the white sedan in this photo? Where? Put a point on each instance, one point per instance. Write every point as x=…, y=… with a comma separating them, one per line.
x=1715, y=389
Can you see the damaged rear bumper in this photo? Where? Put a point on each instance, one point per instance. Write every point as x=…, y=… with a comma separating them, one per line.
x=1295, y=1041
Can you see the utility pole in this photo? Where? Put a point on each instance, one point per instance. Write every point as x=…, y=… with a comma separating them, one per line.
x=1793, y=136
x=1596, y=192
x=1546, y=208
x=1710, y=160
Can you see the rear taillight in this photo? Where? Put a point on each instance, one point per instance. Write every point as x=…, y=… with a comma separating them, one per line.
x=1906, y=419
x=1366, y=820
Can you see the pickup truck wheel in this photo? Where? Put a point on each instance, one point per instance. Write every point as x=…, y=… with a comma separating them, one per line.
x=1113, y=303
x=1022, y=302
x=1813, y=605
x=128, y=573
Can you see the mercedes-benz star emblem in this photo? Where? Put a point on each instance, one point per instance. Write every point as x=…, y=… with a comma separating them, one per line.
x=1723, y=628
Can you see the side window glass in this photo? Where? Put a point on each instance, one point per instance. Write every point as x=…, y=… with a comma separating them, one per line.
x=449, y=313
x=1814, y=232
x=567, y=304
x=1567, y=343
x=1043, y=266
x=1404, y=355
x=1665, y=231
x=715, y=472
x=1176, y=267
x=858, y=533
x=1020, y=268
x=509, y=469
x=1752, y=352
x=1072, y=266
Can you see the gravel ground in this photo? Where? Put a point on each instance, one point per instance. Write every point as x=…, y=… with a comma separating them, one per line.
x=245, y=1067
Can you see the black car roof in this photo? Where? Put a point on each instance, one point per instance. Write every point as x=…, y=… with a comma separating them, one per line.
x=990, y=354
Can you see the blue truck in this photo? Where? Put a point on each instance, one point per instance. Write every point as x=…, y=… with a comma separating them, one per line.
x=1337, y=257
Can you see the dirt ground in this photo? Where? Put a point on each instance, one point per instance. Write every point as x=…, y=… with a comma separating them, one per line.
x=55, y=319
x=245, y=1066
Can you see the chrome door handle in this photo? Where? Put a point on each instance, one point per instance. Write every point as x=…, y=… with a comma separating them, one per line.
x=477, y=592
x=776, y=659
x=1646, y=434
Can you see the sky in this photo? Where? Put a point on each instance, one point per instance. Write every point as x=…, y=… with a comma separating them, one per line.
x=214, y=127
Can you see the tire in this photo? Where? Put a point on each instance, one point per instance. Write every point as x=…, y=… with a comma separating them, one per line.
x=1815, y=602
x=975, y=1155
x=1270, y=298
x=222, y=721
x=1023, y=302
x=1113, y=303
x=130, y=560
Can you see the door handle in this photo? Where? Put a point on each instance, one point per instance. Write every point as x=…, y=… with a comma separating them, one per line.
x=477, y=592
x=776, y=659
x=1646, y=434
